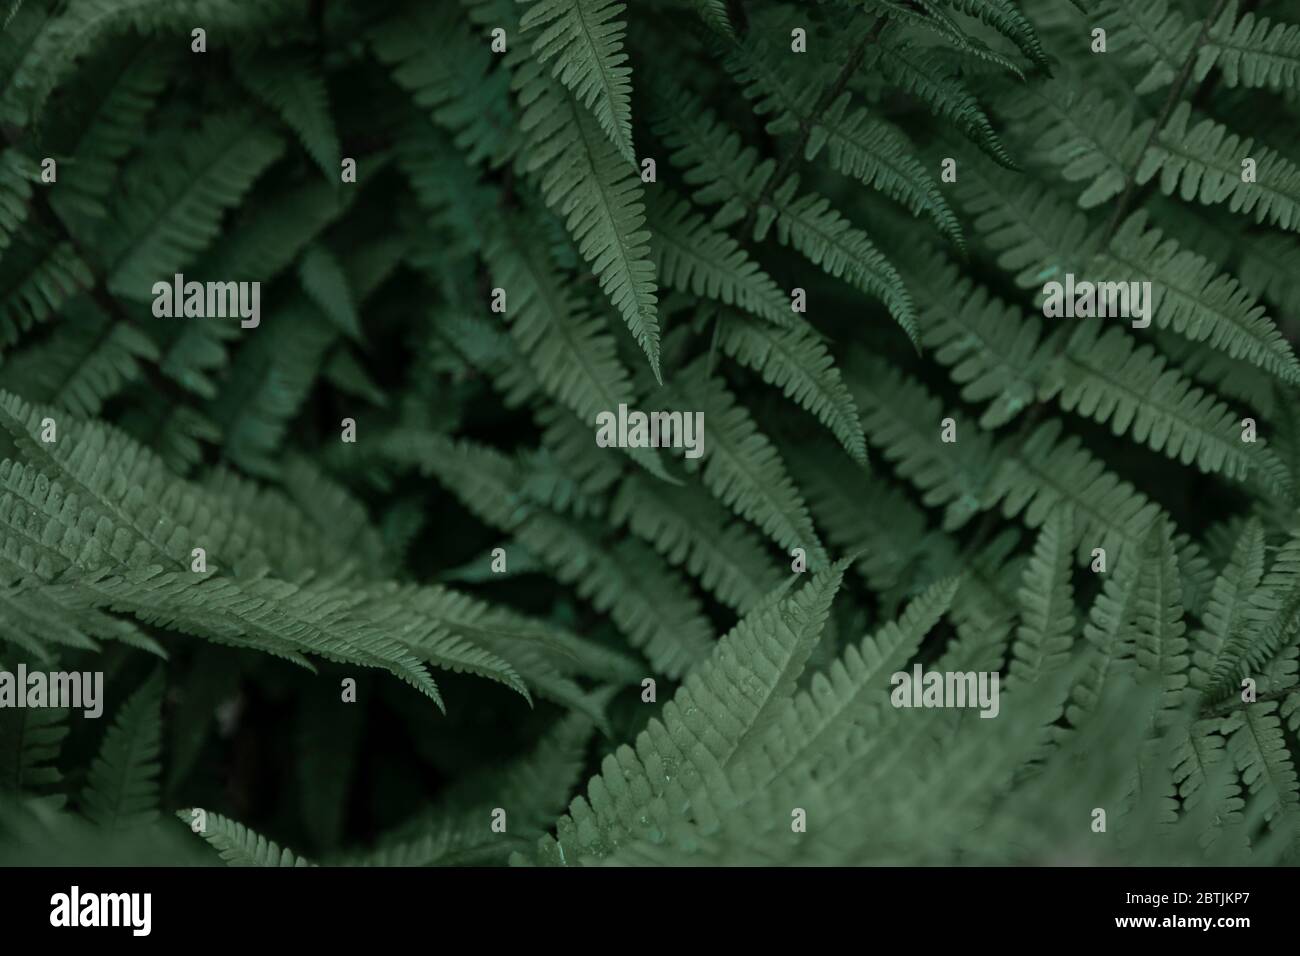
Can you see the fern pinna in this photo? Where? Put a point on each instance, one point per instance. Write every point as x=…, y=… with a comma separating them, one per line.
x=443, y=239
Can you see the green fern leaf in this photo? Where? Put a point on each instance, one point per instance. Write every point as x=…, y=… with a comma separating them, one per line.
x=107, y=120
x=88, y=359
x=640, y=789
x=995, y=354
x=1203, y=162
x=692, y=257
x=17, y=172
x=585, y=40
x=36, y=279
x=927, y=75
x=1191, y=298
x=600, y=201
x=743, y=470
x=30, y=743
x=1159, y=642
x=726, y=172
x=692, y=530
x=1106, y=376
x=1258, y=748
x=1229, y=611
x=853, y=691
x=1047, y=601
x=170, y=207
x=326, y=284
x=289, y=84
x=1111, y=633
x=905, y=421
x=1155, y=36
x=122, y=787
x=652, y=607
x=237, y=845
x=858, y=145
x=1003, y=16
x=714, y=13
x=1253, y=51
x=798, y=363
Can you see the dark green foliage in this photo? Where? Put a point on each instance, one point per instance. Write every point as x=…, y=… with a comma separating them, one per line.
x=436, y=644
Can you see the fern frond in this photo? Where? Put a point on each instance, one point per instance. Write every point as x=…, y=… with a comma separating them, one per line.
x=1258, y=748
x=1110, y=512
x=898, y=553
x=122, y=788
x=287, y=620
x=1046, y=601
x=726, y=172
x=30, y=743
x=640, y=790
x=269, y=382
x=509, y=634
x=1098, y=153
x=1159, y=644
x=585, y=39
x=1206, y=777
x=570, y=349
x=52, y=47
x=906, y=422
x=585, y=181
x=1275, y=608
x=693, y=257
x=1003, y=16
x=1232, y=378
x=17, y=172
x=1032, y=231
x=88, y=359
x=652, y=607
x=1229, y=611
x=1204, y=162
x=34, y=625
x=858, y=145
x=854, y=690
x=1192, y=298
x=457, y=83
x=1253, y=51
x=927, y=75
x=1270, y=264
x=105, y=121
x=996, y=354
x=313, y=523
x=170, y=206
x=798, y=363
x=36, y=279
x=292, y=87
x=1155, y=36
x=931, y=17
x=691, y=530
x=815, y=229
x=743, y=470
x=20, y=56
x=1111, y=633
x=714, y=13
x=1106, y=376
x=326, y=284
x=237, y=845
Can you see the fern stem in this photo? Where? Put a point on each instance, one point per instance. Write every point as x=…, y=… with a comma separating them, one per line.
x=1176, y=92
